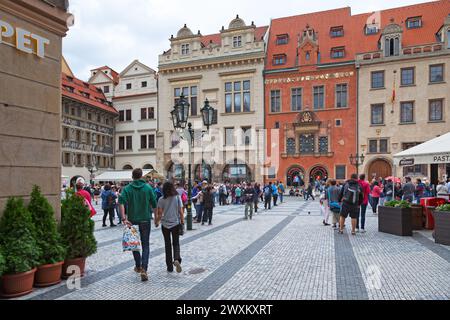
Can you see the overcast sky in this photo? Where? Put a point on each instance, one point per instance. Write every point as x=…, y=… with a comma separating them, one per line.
x=115, y=32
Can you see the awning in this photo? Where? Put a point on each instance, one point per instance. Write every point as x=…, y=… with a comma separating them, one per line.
x=435, y=151
x=119, y=176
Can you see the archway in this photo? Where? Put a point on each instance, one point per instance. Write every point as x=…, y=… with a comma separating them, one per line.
x=292, y=172
x=127, y=167
x=203, y=172
x=148, y=167
x=379, y=168
x=237, y=173
x=318, y=173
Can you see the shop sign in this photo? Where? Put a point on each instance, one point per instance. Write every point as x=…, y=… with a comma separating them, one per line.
x=22, y=39
x=407, y=162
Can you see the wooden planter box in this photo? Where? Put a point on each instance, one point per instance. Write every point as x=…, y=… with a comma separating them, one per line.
x=442, y=227
x=396, y=221
x=417, y=217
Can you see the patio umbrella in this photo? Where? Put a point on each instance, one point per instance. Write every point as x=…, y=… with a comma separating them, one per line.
x=394, y=179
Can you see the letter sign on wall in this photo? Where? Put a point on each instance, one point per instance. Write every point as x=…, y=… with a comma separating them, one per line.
x=22, y=39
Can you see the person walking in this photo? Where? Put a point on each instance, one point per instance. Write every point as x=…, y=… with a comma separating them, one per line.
x=333, y=193
x=419, y=191
x=108, y=205
x=170, y=215
x=208, y=205
x=274, y=193
x=281, y=191
x=309, y=192
x=388, y=190
x=442, y=190
x=238, y=194
x=258, y=193
x=140, y=199
x=375, y=195
x=362, y=213
x=324, y=205
x=351, y=197
x=199, y=205
x=79, y=188
x=268, y=196
x=249, y=198
x=408, y=190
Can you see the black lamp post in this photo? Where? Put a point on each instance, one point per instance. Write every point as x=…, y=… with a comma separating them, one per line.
x=91, y=170
x=357, y=160
x=180, y=116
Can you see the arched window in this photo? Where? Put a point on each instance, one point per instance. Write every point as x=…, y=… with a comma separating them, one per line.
x=127, y=167
x=148, y=167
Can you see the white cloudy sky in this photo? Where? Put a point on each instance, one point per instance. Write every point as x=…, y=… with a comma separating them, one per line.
x=115, y=32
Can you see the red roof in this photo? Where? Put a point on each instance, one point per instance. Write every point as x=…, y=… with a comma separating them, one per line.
x=114, y=74
x=85, y=93
x=354, y=40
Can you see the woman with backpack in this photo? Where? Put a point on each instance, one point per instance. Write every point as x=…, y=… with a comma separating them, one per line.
x=108, y=205
x=208, y=205
x=169, y=213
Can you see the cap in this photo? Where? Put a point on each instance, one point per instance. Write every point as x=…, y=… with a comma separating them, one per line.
x=80, y=180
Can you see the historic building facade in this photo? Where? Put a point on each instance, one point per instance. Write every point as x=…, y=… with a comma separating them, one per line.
x=226, y=69
x=403, y=64
x=311, y=96
x=30, y=97
x=106, y=79
x=87, y=121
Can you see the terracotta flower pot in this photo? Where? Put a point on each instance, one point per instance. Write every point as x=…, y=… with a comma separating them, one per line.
x=79, y=262
x=17, y=285
x=48, y=275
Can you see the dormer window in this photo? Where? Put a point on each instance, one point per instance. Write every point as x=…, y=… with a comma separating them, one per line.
x=415, y=22
x=337, y=32
x=371, y=29
x=237, y=41
x=185, y=49
x=338, y=52
x=282, y=39
x=279, y=59
x=392, y=46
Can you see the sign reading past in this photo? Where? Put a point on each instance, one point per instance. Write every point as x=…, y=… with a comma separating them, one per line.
x=22, y=39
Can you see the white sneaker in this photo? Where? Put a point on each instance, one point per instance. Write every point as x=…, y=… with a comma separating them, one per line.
x=363, y=231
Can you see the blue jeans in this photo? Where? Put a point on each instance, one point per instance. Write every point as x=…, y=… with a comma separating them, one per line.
x=199, y=210
x=281, y=197
x=362, y=217
x=142, y=260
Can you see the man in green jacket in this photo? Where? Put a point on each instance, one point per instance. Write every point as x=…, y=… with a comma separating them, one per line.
x=139, y=198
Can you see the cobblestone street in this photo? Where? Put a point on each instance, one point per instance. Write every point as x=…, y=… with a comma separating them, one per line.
x=284, y=253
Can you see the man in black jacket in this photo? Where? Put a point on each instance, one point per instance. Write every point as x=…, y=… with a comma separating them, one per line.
x=351, y=197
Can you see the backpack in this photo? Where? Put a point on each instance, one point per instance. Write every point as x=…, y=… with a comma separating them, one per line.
x=184, y=198
x=353, y=195
x=267, y=191
x=110, y=200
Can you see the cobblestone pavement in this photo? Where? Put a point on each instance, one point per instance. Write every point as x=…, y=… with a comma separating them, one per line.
x=283, y=253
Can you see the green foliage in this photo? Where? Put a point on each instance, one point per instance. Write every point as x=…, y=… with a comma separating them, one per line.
x=47, y=235
x=398, y=204
x=20, y=250
x=2, y=263
x=444, y=207
x=77, y=228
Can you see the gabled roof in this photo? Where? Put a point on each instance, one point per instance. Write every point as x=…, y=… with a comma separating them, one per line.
x=114, y=74
x=85, y=93
x=136, y=62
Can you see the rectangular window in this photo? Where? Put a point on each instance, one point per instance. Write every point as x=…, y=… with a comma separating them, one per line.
x=341, y=96
x=377, y=80
x=190, y=94
x=79, y=160
x=383, y=146
x=193, y=97
x=128, y=115
x=67, y=159
x=128, y=86
x=65, y=133
x=436, y=110
x=88, y=138
x=246, y=136
x=143, y=142
x=129, y=143
x=377, y=114
x=228, y=102
x=144, y=84
x=307, y=142
x=237, y=102
x=319, y=97
x=337, y=32
x=371, y=29
x=340, y=172
x=282, y=39
x=185, y=49
x=337, y=53
x=279, y=59
x=151, y=113
x=121, y=115
x=151, y=141
x=407, y=112
x=296, y=99
x=415, y=22
x=407, y=76
x=275, y=101
x=143, y=113
x=229, y=141
x=373, y=146
x=237, y=41
x=106, y=89
x=237, y=96
x=323, y=145
x=437, y=73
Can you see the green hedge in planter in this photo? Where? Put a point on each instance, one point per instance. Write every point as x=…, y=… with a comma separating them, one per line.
x=2, y=263
x=46, y=229
x=20, y=250
x=444, y=207
x=398, y=204
x=77, y=228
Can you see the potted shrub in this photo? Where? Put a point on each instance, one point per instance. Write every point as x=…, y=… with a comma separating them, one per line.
x=2, y=262
x=442, y=224
x=48, y=240
x=77, y=232
x=20, y=250
x=395, y=218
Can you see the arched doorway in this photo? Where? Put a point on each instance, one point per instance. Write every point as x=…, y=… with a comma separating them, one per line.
x=318, y=173
x=292, y=172
x=176, y=172
x=127, y=167
x=379, y=168
x=203, y=172
x=237, y=173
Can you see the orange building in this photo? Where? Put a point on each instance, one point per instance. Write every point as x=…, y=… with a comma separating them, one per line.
x=311, y=95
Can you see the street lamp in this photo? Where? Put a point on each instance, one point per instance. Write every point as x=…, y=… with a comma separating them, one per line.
x=180, y=116
x=91, y=169
x=357, y=160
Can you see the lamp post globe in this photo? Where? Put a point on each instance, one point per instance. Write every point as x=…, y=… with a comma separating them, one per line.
x=180, y=113
x=207, y=114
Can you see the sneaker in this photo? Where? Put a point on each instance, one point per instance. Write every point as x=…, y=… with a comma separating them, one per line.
x=209, y=224
x=137, y=270
x=144, y=276
x=177, y=266
x=203, y=223
x=113, y=225
x=169, y=270
x=104, y=226
x=357, y=230
x=363, y=231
